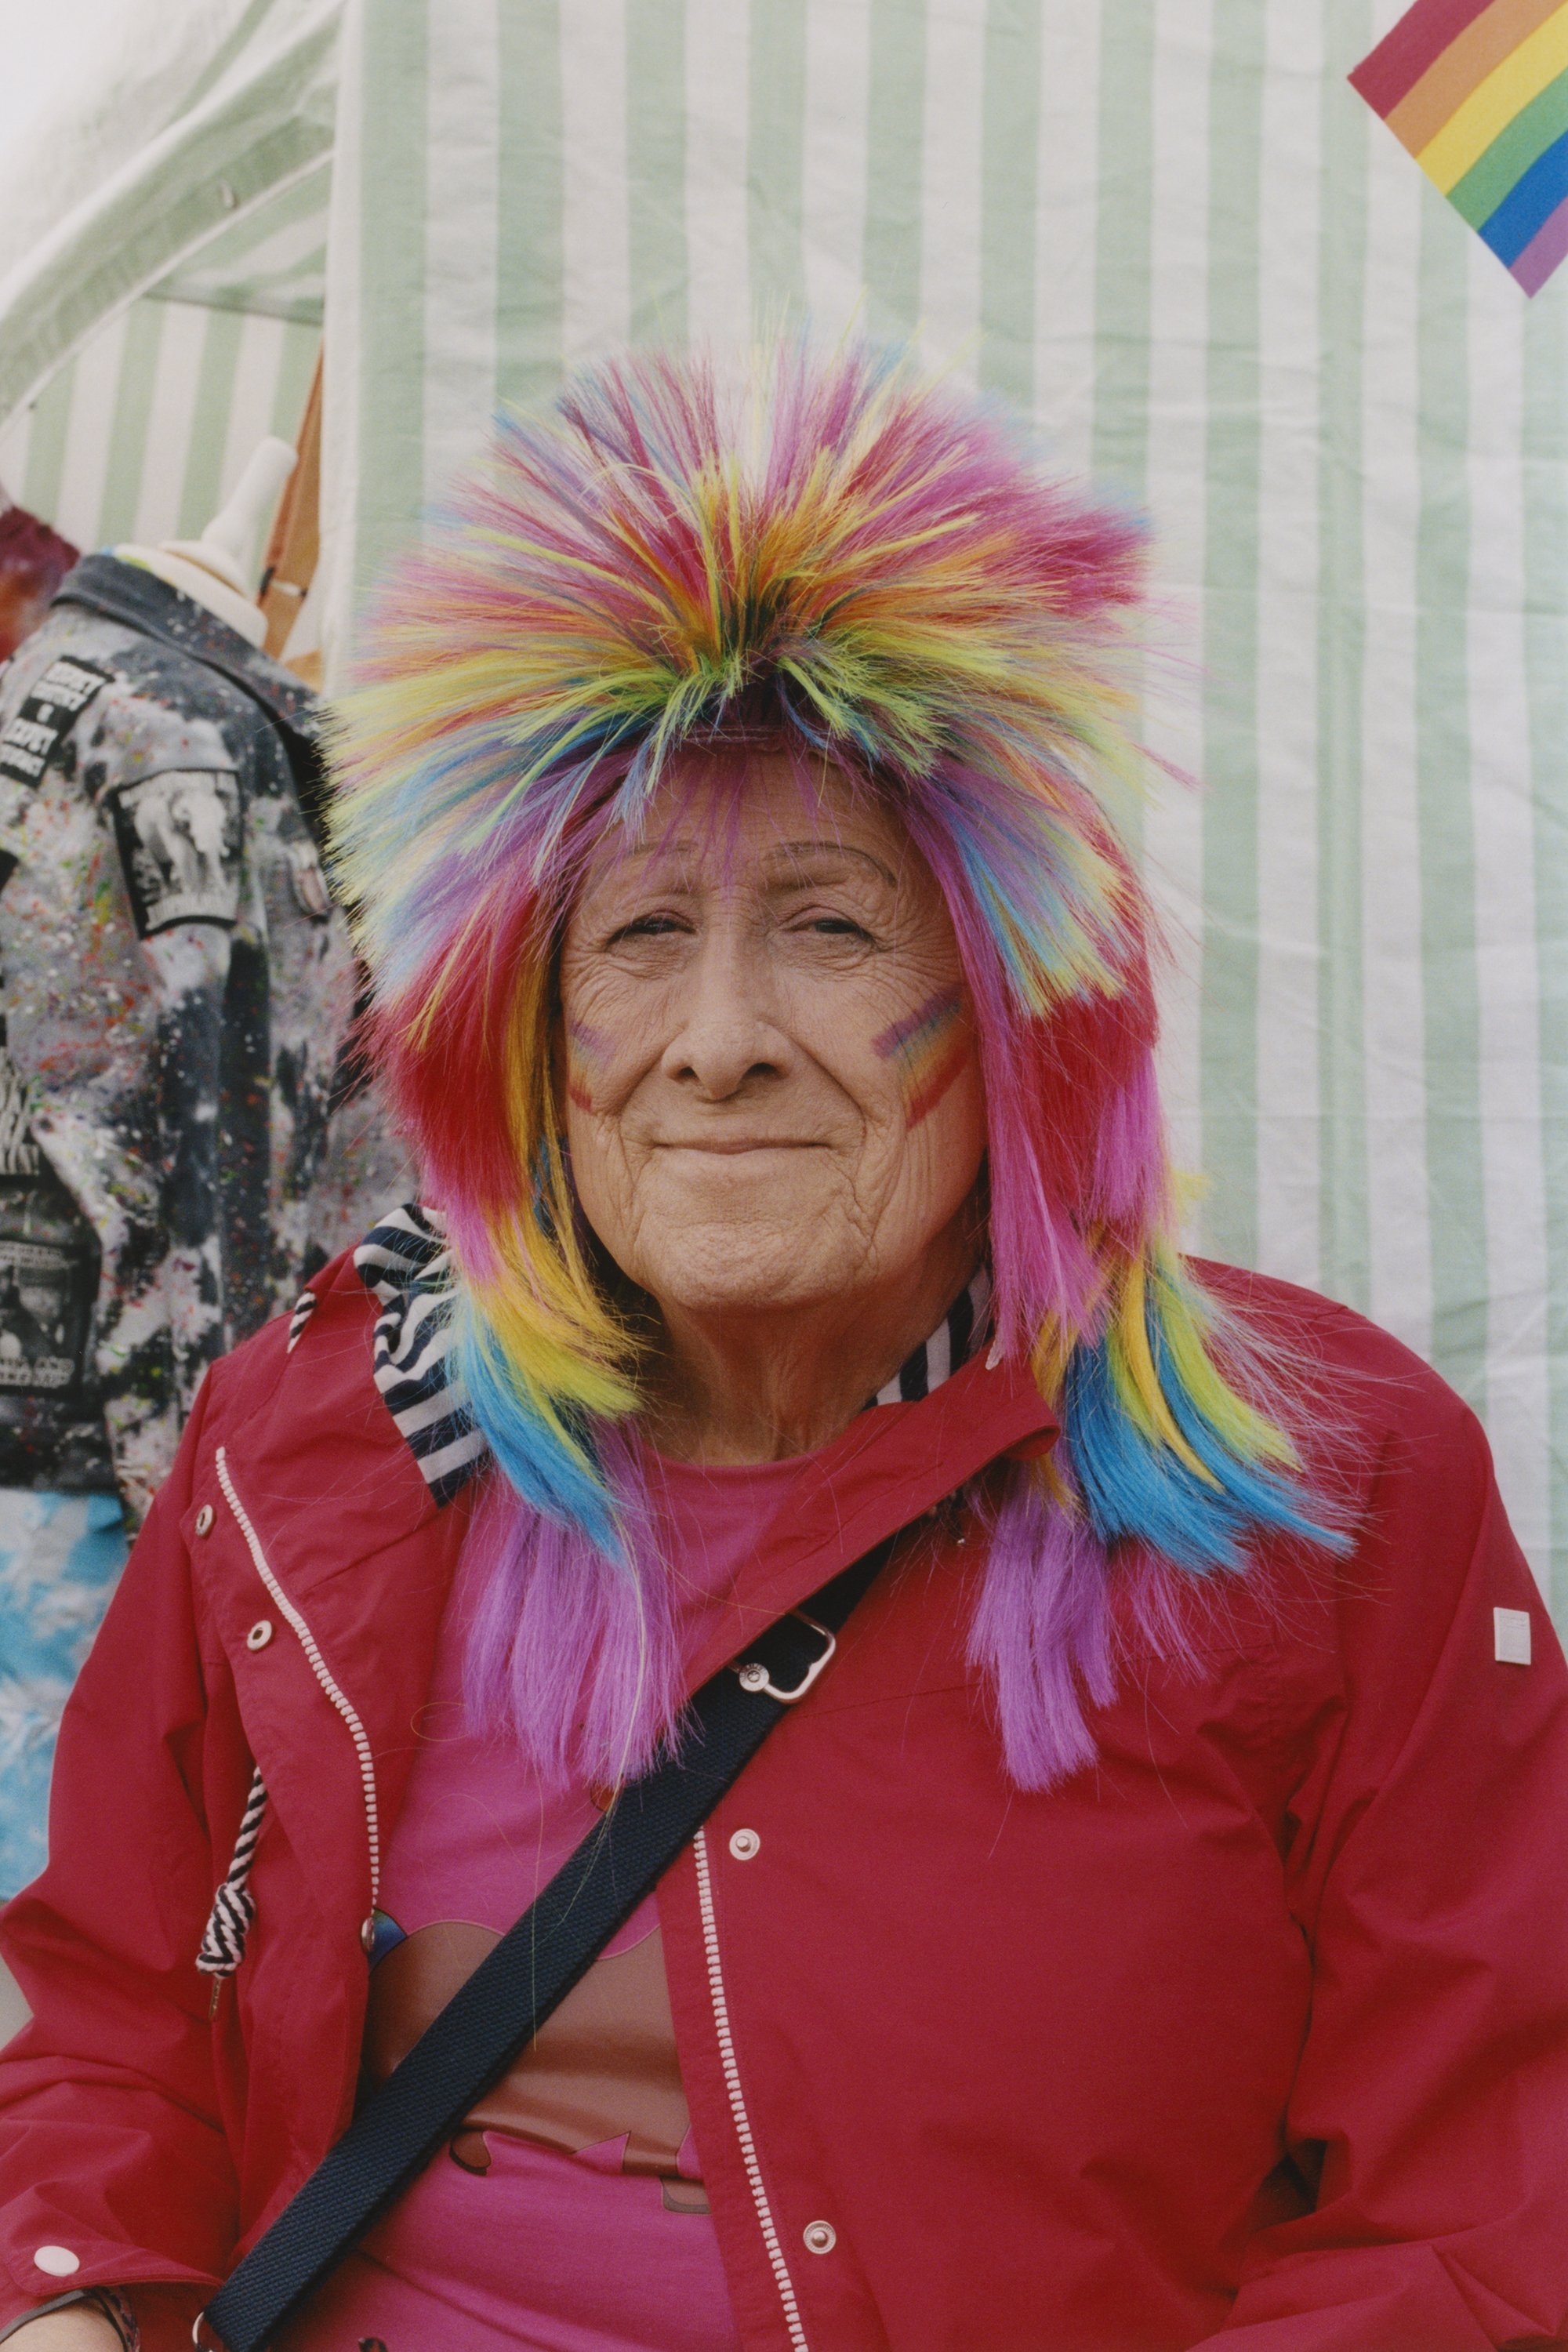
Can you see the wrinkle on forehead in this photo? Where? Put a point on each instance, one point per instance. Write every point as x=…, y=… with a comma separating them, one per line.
x=702, y=803
x=783, y=854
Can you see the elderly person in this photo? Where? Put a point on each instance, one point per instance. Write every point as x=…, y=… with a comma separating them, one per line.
x=1148, y=1929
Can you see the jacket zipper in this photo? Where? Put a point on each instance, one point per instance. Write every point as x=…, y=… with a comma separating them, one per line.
x=322, y=1672
x=738, y=2115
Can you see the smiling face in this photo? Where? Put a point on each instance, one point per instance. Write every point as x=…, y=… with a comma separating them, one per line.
x=772, y=1088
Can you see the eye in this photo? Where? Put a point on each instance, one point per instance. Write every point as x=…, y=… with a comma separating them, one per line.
x=647, y=927
x=840, y=927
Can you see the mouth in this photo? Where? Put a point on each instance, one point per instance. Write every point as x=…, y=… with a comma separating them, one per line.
x=732, y=1147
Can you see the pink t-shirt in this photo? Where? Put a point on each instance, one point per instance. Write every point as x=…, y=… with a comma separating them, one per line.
x=572, y=2219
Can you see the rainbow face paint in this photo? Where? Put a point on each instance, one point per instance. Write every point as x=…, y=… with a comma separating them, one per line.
x=932, y=1046
x=587, y=1050
x=844, y=560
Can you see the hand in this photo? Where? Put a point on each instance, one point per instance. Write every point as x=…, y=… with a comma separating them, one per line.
x=80, y=2328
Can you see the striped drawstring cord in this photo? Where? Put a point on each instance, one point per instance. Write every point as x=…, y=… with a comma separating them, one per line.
x=233, y=1906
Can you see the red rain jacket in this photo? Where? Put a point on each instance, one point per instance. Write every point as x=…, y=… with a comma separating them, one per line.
x=1252, y=2035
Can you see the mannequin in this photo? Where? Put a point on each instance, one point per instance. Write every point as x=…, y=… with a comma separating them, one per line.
x=209, y=569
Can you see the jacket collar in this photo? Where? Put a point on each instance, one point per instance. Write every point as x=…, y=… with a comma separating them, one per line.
x=946, y=1414
x=340, y=1492
x=405, y=1264
x=139, y=599
x=358, y=1540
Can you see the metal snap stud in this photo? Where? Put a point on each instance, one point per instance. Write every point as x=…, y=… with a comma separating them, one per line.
x=260, y=1634
x=744, y=1844
x=821, y=2237
x=205, y=1520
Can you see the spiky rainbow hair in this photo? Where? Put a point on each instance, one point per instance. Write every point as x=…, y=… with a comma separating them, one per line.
x=862, y=564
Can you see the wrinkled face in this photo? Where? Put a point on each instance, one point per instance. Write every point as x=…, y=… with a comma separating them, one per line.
x=772, y=1091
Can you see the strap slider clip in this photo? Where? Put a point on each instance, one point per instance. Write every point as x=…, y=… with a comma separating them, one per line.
x=754, y=1676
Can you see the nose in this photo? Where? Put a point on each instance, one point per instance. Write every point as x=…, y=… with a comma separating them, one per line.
x=726, y=1034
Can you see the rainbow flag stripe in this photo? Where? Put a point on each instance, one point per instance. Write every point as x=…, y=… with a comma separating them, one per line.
x=1478, y=92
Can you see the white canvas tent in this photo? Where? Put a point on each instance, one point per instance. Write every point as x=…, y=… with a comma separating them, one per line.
x=164, y=252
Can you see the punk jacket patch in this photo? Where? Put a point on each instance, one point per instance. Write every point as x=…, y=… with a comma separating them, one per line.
x=179, y=837
x=34, y=734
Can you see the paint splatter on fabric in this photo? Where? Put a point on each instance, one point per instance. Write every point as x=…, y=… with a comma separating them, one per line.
x=178, y=991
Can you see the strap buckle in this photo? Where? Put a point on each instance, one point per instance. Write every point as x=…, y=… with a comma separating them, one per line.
x=754, y=1676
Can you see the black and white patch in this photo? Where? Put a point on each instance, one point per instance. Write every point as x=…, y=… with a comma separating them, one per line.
x=46, y=1299
x=179, y=842
x=47, y=715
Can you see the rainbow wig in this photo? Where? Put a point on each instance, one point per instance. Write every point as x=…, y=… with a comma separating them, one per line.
x=846, y=559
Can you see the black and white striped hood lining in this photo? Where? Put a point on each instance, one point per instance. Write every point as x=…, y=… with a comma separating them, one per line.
x=953, y=1341
x=405, y=1264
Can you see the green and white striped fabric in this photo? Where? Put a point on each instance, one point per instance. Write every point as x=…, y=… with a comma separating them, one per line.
x=163, y=311
x=1169, y=229
x=271, y=260
x=144, y=434
x=223, y=193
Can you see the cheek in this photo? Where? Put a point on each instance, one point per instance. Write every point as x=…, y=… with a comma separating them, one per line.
x=589, y=1052
x=599, y=1175
x=926, y=1052
x=612, y=1027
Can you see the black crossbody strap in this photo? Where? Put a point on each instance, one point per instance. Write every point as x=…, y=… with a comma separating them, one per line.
x=467, y=2049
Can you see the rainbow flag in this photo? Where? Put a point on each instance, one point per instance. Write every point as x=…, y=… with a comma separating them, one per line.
x=1478, y=92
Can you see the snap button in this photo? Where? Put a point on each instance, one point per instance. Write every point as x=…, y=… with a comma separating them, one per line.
x=57, y=2261
x=367, y=1935
x=821, y=2237
x=260, y=1634
x=205, y=1520
x=744, y=1844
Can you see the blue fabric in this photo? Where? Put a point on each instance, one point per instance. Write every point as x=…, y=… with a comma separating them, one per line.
x=1529, y=203
x=60, y=1558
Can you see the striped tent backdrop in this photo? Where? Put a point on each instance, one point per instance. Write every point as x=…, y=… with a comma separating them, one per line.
x=153, y=330
x=272, y=261
x=144, y=434
x=251, y=136
x=1171, y=230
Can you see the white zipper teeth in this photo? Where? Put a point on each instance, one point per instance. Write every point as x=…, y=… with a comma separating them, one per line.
x=320, y=1668
x=743, y=2122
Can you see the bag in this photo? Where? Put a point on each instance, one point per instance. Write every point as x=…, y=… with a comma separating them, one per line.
x=463, y=2051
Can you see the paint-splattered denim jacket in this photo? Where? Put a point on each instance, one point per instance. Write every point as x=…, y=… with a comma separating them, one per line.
x=178, y=989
